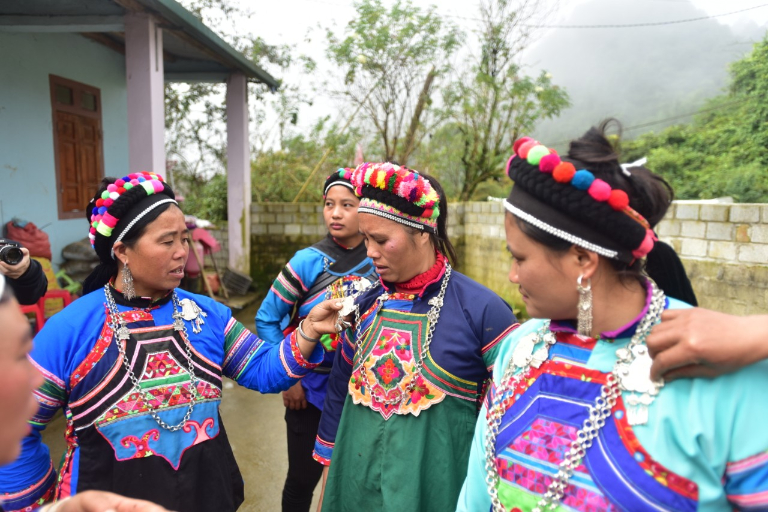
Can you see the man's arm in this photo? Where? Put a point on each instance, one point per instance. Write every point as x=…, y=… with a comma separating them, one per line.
x=27, y=279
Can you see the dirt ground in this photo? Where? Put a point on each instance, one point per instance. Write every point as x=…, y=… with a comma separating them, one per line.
x=256, y=430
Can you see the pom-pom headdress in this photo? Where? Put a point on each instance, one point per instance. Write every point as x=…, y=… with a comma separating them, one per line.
x=565, y=200
x=397, y=193
x=340, y=177
x=121, y=205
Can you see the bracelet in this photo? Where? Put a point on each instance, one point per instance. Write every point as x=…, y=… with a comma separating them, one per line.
x=304, y=335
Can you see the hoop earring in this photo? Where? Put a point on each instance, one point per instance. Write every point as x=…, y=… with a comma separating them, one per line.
x=129, y=292
x=585, y=307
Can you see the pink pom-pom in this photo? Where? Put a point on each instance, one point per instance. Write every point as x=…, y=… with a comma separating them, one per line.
x=157, y=185
x=523, y=150
x=548, y=162
x=133, y=176
x=111, y=188
x=92, y=231
x=134, y=181
x=599, y=190
x=645, y=246
x=519, y=142
x=108, y=202
x=109, y=220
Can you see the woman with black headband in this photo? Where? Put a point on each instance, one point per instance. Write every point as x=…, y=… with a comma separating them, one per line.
x=333, y=268
x=410, y=370
x=573, y=419
x=137, y=365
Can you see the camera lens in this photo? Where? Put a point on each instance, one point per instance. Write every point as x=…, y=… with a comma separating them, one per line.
x=11, y=255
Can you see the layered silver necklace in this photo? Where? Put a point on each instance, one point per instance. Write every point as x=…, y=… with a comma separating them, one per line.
x=122, y=335
x=631, y=375
x=433, y=315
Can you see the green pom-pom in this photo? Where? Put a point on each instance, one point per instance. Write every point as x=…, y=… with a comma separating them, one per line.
x=128, y=186
x=105, y=195
x=536, y=154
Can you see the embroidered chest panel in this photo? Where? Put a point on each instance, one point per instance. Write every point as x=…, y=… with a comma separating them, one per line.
x=543, y=415
x=122, y=414
x=385, y=374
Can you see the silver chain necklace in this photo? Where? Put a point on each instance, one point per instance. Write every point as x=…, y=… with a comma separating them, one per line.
x=122, y=333
x=631, y=360
x=433, y=315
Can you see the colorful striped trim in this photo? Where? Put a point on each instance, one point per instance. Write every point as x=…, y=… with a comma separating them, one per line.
x=746, y=482
x=323, y=451
x=240, y=345
x=288, y=286
x=34, y=496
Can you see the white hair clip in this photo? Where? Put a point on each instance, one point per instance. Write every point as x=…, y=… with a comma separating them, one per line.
x=637, y=163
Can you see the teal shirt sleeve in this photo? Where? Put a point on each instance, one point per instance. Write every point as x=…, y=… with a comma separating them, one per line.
x=474, y=493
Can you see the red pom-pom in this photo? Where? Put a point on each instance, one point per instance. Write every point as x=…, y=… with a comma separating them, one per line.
x=523, y=150
x=99, y=202
x=519, y=142
x=427, y=213
x=599, y=190
x=121, y=190
x=618, y=200
x=119, y=183
x=645, y=246
x=563, y=172
x=548, y=162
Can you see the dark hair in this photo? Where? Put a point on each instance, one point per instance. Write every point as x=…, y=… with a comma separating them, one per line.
x=107, y=268
x=649, y=194
x=440, y=239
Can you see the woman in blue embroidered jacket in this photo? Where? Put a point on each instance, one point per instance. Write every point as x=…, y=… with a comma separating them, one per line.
x=334, y=267
x=573, y=419
x=406, y=383
x=137, y=366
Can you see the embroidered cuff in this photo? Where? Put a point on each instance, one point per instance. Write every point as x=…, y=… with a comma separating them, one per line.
x=296, y=366
x=323, y=451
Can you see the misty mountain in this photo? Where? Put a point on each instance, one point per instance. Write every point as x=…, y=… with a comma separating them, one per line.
x=638, y=75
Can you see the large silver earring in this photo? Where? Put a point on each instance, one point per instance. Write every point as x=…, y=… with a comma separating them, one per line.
x=129, y=292
x=585, y=307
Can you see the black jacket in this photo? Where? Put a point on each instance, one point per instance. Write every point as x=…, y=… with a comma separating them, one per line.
x=31, y=286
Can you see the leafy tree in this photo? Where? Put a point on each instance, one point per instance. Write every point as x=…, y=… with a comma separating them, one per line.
x=724, y=152
x=392, y=59
x=495, y=102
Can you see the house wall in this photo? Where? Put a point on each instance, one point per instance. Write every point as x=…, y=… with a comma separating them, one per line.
x=27, y=165
x=724, y=247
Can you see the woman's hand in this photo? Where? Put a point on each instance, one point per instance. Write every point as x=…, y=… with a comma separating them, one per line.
x=701, y=343
x=98, y=501
x=322, y=319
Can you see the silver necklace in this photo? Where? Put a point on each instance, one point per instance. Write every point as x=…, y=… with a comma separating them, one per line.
x=123, y=334
x=631, y=373
x=433, y=315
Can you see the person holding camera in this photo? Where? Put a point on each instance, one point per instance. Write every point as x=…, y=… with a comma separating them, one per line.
x=24, y=275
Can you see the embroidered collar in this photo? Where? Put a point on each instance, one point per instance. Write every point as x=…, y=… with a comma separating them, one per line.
x=421, y=283
x=626, y=331
x=139, y=302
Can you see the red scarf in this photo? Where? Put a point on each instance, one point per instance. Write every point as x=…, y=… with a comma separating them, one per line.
x=420, y=282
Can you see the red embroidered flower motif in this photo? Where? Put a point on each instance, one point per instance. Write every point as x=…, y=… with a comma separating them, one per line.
x=388, y=371
x=357, y=380
x=420, y=390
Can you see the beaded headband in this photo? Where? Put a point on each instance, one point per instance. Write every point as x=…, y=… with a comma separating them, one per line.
x=398, y=194
x=104, y=223
x=340, y=177
x=574, y=205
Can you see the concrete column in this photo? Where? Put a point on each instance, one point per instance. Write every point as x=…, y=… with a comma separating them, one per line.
x=146, y=107
x=238, y=174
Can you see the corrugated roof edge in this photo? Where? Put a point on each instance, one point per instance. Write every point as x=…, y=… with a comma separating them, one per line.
x=176, y=14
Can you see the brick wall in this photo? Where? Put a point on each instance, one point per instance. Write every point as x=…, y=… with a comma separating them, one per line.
x=724, y=247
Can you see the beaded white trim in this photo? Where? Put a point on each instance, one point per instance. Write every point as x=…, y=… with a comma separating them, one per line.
x=602, y=251
x=374, y=211
x=137, y=219
x=343, y=183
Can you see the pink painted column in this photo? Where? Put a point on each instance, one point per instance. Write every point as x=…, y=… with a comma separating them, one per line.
x=238, y=174
x=146, y=107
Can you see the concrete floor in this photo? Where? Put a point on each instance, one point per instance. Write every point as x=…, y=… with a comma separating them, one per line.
x=256, y=430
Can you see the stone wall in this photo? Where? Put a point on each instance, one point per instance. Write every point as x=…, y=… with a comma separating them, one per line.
x=724, y=247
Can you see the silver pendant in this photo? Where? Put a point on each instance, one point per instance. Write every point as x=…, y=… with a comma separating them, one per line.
x=347, y=306
x=191, y=312
x=635, y=379
x=523, y=352
x=123, y=333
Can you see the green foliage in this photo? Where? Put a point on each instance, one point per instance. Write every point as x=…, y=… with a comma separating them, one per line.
x=494, y=102
x=724, y=152
x=391, y=59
